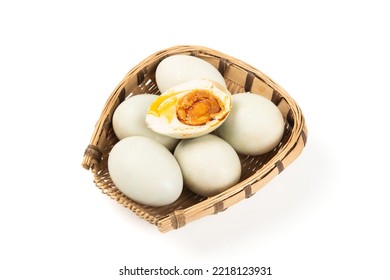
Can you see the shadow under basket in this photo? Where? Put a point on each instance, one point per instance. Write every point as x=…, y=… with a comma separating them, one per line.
x=256, y=170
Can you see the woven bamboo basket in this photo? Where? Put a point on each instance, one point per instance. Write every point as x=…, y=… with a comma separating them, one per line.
x=257, y=171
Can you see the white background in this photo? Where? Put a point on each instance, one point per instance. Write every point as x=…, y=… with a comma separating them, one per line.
x=325, y=217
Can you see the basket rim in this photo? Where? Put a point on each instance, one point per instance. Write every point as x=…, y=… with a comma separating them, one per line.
x=277, y=162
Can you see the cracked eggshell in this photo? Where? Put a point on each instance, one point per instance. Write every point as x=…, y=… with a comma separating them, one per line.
x=171, y=116
x=178, y=69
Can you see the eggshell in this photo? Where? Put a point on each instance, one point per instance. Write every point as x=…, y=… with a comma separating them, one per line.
x=177, y=69
x=254, y=126
x=209, y=164
x=145, y=171
x=129, y=120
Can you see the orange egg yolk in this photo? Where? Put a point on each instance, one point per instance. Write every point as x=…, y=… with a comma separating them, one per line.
x=197, y=107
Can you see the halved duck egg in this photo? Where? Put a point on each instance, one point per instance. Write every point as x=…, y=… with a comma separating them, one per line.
x=189, y=110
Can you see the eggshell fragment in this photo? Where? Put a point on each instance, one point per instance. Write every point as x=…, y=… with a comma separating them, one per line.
x=145, y=171
x=254, y=126
x=209, y=164
x=178, y=69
